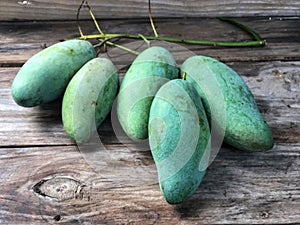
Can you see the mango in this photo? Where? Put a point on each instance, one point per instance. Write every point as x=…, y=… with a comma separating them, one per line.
x=179, y=138
x=88, y=98
x=245, y=127
x=148, y=72
x=44, y=77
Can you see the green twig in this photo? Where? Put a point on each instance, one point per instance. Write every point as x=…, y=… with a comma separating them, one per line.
x=104, y=38
x=254, y=34
x=151, y=20
x=102, y=42
x=94, y=19
x=145, y=39
x=176, y=40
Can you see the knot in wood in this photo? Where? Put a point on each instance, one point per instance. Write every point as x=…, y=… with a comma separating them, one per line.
x=58, y=188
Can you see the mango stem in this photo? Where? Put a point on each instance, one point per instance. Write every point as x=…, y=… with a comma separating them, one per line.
x=178, y=40
x=151, y=20
x=105, y=38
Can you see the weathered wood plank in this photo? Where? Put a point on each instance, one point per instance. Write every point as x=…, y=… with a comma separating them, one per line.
x=19, y=41
x=239, y=188
x=67, y=9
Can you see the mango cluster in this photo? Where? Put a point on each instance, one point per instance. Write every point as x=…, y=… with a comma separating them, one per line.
x=175, y=108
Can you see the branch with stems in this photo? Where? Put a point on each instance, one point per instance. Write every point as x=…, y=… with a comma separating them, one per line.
x=106, y=38
x=176, y=40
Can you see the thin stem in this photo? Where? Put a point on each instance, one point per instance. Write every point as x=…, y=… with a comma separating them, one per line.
x=77, y=18
x=120, y=47
x=104, y=43
x=254, y=34
x=177, y=40
x=151, y=20
x=94, y=19
x=106, y=40
x=145, y=39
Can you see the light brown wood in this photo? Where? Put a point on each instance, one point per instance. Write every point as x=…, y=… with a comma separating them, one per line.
x=238, y=188
x=47, y=179
x=67, y=9
x=19, y=40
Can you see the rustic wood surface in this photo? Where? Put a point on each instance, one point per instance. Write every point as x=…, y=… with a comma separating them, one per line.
x=47, y=179
x=66, y=9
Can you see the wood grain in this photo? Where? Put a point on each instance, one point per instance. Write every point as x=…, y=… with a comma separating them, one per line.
x=47, y=179
x=67, y=9
x=239, y=187
x=19, y=40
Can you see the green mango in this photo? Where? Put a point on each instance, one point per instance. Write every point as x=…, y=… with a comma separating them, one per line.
x=179, y=138
x=245, y=128
x=88, y=98
x=149, y=71
x=44, y=77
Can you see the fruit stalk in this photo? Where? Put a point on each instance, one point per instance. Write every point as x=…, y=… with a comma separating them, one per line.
x=255, y=43
x=105, y=38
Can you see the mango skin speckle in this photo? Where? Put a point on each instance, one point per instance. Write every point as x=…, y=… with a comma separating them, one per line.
x=88, y=98
x=179, y=138
x=149, y=71
x=245, y=126
x=44, y=77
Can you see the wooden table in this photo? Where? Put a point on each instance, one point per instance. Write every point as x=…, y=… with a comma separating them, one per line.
x=45, y=178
